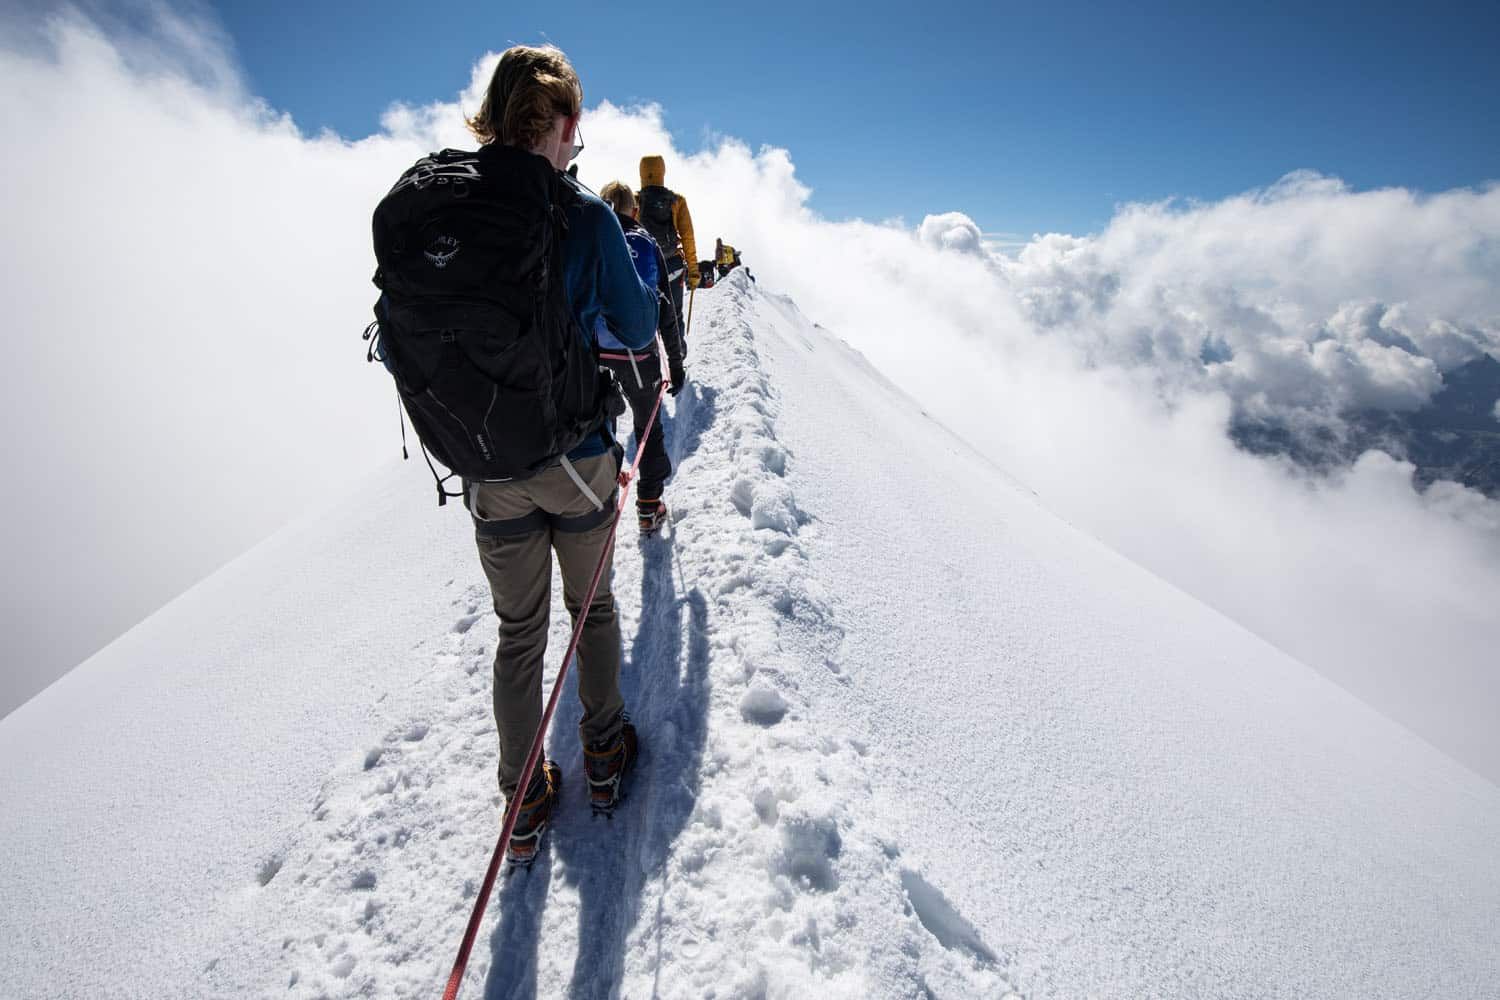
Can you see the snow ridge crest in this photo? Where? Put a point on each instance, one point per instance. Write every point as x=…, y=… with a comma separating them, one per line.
x=746, y=860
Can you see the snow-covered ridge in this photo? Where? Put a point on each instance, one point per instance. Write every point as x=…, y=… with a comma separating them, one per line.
x=907, y=734
x=741, y=864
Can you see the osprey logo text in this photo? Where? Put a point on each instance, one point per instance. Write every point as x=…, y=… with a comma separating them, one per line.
x=441, y=250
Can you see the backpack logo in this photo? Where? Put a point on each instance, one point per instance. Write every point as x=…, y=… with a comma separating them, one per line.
x=441, y=250
x=430, y=170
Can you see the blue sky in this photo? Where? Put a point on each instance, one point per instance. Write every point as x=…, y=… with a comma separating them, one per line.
x=1028, y=119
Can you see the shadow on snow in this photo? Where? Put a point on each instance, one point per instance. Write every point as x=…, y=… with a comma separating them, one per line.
x=610, y=860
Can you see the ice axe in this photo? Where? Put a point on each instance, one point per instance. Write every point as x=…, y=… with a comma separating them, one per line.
x=691, y=292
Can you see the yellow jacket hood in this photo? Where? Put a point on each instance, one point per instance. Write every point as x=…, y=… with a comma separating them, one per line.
x=653, y=171
x=654, y=174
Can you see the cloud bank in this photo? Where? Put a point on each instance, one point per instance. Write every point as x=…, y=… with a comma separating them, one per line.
x=1301, y=303
x=185, y=276
x=190, y=271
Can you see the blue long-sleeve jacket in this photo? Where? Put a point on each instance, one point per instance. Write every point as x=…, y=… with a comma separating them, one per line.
x=601, y=280
x=652, y=267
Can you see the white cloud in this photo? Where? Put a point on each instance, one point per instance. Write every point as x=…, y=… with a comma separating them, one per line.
x=187, y=274
x=185, y=279
x=1308, y=299
x=951, y=231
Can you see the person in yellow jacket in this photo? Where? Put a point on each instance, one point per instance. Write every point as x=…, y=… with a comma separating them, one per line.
x=726, y=257
x=665, y=215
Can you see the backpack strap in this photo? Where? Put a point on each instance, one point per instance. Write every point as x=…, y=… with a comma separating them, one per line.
x=443, y=495
x=586, y=522
x=538, y=519
x=583, y=487
x=510, y=527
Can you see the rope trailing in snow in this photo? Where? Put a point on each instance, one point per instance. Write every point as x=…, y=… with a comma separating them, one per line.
x=513, y=810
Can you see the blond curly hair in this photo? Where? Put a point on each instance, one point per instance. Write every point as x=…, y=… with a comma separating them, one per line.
x=619, y=196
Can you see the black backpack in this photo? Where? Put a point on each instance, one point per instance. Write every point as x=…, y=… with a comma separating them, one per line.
x=656, y=215
x=473, y=320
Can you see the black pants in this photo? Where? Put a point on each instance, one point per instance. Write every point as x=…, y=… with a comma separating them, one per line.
x=676, y=287
x=641, y=395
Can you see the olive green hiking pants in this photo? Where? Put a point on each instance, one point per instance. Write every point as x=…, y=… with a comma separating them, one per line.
x=518, y=525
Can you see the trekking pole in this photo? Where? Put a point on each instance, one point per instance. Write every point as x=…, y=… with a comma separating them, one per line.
x=513, y=809
x=691, y=292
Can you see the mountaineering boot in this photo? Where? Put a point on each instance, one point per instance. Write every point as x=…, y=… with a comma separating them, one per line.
x=536, y=810
x=652, y=513
x=605, y=763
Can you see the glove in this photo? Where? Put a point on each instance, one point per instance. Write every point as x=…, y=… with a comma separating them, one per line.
x=678, y=377
x=692, y=277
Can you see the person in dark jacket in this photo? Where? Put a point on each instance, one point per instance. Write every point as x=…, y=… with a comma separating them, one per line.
x=639, y=371
x=665, y=215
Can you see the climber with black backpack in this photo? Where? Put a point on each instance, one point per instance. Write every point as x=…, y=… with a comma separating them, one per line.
x=494, y=268
x=665, y=215
x=639, y=372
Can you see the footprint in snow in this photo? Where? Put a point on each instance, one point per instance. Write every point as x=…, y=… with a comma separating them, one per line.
x=773, y=458
x=810, y=844
x=742, y=494
x=269, y=869
x=940, y=918
x=773, y=506
x=763, y=706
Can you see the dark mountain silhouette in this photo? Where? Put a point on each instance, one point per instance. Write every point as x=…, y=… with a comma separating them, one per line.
x=1456, y=436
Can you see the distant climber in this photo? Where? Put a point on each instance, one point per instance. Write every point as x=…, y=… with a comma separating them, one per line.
x=639, y=371
x=727, y=258
x=706, y=274
x=665, y=215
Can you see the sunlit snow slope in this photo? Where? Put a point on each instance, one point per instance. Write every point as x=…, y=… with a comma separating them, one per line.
x=907, y=735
